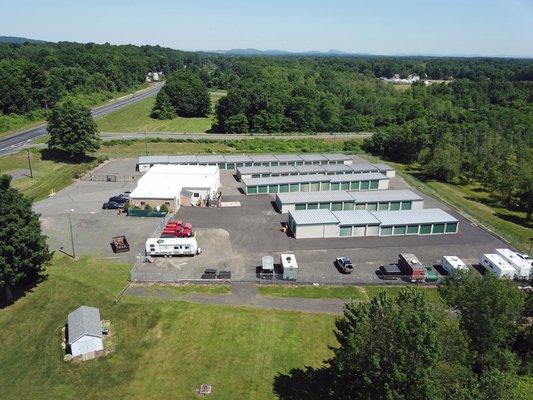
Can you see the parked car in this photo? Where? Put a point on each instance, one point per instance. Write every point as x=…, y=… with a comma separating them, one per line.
x=112, y=205
x=344, y=264
x=118, y=199
x=390, y=272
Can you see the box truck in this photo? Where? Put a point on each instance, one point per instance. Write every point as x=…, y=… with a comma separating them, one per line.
x=521, y=266
x=497, y=265
x=172, y=247
x=452, y=263
x=412, y=267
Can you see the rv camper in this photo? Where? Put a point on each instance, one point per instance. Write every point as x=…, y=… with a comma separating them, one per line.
x=521, y=266
x=290, y=267
x=172, y=247
x=497, y=265
x=452, y=263
x=411, y=266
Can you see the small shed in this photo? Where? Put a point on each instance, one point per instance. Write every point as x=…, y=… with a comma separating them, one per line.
x=290, y=267
x=85, y=331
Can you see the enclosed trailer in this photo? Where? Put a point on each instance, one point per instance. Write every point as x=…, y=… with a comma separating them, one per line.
x=172, y=247
x=452, y=263
x=497, y=265
x=521, y=266
x=267, y=267
x=411, y=266
x=290, y=267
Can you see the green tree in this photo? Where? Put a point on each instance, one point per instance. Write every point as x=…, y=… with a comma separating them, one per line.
x=23, y=248
x=72, y=129
x=237, y=123
x=163, y=108
x=388, y=349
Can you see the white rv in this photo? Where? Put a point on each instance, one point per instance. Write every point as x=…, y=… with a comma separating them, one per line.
x=452, y=263
x=521, y=266
x=497, y=265
x=172, y=247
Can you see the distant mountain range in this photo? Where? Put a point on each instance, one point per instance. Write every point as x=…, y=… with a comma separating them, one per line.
x=15, y=39
x=256, y=52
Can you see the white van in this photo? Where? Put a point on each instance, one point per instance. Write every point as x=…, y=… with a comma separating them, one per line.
x=452, y=263
x=172, y=247
x=497, y=265
x=521, y=266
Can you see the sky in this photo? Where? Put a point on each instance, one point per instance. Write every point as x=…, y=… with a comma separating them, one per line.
x=443, y=27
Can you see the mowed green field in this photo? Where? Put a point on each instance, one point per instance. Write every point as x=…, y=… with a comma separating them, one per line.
x=164, y=349
x=136, y=118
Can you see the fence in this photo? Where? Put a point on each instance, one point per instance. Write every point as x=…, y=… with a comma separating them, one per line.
x=132, y=212
x=108, y=178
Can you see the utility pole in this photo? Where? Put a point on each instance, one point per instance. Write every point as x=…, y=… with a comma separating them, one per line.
x=29, y=162
x=71, y=232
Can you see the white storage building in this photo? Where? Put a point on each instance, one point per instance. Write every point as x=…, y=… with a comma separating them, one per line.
x=325, y=223
x=84, y=331
x=166, y=184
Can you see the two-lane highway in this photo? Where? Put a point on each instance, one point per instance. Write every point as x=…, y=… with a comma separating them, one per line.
x=12, y=143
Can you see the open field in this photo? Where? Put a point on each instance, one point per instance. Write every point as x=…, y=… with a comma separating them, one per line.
x=136, y=118
x=49, y=173
x=12, y=123
x=163, y=347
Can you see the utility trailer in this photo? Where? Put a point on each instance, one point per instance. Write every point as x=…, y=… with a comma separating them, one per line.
x=290, y=267
x=521, y=266
x=495, y=264
x=452, y=263
x=412, y=267
x=119, y=244
x=172, y=247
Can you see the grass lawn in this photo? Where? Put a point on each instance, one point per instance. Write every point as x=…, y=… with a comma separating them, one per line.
x=134, y=148
x=136, y=118
x=481, y=205
x=49, y=174
x=313, y=292
x=163, y=349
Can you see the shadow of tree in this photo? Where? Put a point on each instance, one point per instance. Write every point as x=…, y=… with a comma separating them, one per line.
x=63, y=157
x=21, y=290
x=304, y=384
x=515, y=220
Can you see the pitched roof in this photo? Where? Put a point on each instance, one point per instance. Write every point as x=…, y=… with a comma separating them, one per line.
x=313, y=217
x=414, y=217
x=84, y=321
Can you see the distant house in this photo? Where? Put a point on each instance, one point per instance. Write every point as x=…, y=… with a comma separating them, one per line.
x=85, y=331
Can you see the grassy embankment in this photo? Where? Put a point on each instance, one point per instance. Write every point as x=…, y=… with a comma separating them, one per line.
x=163, y=348
x=12, y=123
x=136, y=118
x=484, y=207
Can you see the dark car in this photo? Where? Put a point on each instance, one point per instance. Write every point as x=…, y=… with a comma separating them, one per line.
x=390, y=272
x=112, y=205
x=344, y=264
x=118, y=199
x=209, y=273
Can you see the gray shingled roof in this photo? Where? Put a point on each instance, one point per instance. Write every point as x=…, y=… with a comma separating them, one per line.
x=337, y=157
x=312, y=157
x=310, y=169
x=312, y=197
x=288, y=157
x=283, y=169
x=262, y=158
x=374, y=196
x=363, y=167
x=355, y=217
x=357, y=177
x=330, y=168
x=413, y=217
x=84, y=321
x=313, y=217
x=260, y=169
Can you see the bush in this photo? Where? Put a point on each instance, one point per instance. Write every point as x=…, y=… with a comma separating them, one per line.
x=164, y=208
x=148, y=207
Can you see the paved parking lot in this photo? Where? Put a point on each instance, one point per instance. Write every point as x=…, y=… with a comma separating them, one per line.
x=235, y=238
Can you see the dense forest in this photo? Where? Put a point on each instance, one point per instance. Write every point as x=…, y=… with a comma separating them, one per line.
x=35, y=76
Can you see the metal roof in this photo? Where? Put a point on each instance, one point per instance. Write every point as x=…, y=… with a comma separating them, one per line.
x=313, y=217
x=276, y=180
x=288, y=157
x=262, y=158
x=356, y=177
x=361, y=167
x=259, y=169
x=413, y=217
x=312, y=157
x=216, y=158
x=153, y=160
x=374, y=196
x=337, y=157
x=355, y=217
x=183, y=159
x=237, y=158
x=312, y=197
x=84, y=321
x=337, y=168
x=310, y=168
x=384, y=167
x=283, y=169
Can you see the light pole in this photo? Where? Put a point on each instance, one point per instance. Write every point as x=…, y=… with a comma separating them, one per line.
x=71, y=232
x=29, y=162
